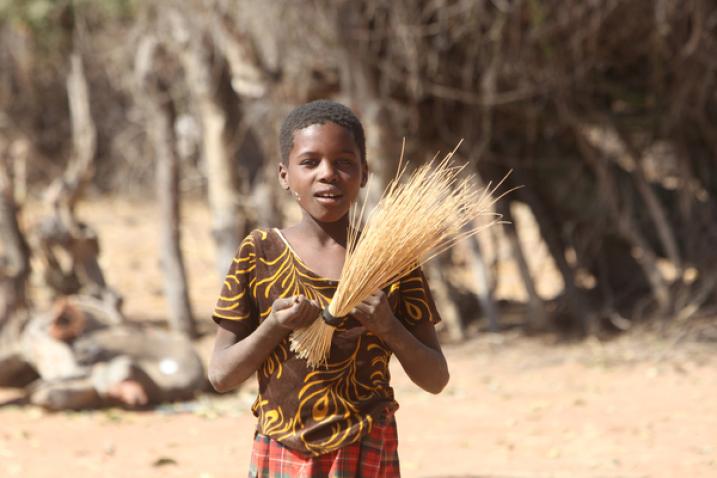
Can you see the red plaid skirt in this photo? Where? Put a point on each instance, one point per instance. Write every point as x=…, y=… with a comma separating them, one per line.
x=374, y=456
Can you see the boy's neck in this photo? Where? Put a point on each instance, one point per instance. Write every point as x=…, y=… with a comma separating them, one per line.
x=324, y=233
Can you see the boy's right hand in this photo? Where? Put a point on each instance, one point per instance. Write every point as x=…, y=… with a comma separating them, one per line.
x=295, y=312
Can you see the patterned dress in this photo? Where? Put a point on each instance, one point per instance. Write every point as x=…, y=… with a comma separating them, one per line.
x=315, y=412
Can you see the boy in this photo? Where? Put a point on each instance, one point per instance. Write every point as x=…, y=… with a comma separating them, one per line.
x=336, y=420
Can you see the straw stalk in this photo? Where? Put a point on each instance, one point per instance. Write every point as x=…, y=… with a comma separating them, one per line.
x=415, y=219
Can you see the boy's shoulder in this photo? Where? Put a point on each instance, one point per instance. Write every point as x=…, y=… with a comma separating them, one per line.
x=264, y=242
x=259, y=233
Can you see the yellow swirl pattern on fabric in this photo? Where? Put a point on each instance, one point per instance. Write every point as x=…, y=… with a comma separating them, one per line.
x=331, y=395
x=414, y=298
x=327, y=408
x=243, y=266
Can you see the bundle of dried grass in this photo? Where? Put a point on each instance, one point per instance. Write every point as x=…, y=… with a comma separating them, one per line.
x=414, y=220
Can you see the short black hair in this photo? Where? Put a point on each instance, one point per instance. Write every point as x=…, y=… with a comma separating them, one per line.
x=320, y=112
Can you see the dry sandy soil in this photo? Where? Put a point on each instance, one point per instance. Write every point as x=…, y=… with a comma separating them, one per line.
x=641, y=405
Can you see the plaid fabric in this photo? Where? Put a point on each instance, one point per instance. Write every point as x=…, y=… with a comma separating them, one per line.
x=374, y=456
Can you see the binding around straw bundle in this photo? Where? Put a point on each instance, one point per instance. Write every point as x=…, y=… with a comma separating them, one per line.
x=392, y=242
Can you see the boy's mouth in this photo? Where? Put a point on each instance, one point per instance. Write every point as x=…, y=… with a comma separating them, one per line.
x=328, y=196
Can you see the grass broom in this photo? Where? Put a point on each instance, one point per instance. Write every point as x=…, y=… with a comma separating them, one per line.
x=414, y=221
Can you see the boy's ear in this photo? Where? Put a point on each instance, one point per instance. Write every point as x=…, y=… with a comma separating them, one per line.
x=364, y=173
x=283, y=176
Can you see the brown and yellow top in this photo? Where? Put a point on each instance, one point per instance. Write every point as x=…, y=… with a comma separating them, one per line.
x=321, y=410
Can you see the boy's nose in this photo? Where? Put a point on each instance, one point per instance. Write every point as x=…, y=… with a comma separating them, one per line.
x=327, y=171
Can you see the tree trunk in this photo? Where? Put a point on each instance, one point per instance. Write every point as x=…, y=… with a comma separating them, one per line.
x=448, y=310
x=264, y=197
x=536, y=311
x=654, y=207
x=481, y=275
x=581, y=312
x=218, y=106
x=175, y=281
x=160, y=112
x=381, y=152
x=14, y=275
x=15, y=263
x=359, y=81
x=224, y=198
x=66, y=191
x=622, y=217
x=62, y=230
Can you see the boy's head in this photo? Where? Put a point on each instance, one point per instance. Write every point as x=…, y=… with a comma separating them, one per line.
x=323, y=159
x=320, y=112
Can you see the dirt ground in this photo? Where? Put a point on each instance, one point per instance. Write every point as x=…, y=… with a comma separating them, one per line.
x=641, y=405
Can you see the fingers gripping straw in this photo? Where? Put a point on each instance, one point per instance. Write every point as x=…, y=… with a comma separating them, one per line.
x=393, y=243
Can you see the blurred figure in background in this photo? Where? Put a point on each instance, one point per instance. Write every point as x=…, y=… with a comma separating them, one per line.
x=86, y=359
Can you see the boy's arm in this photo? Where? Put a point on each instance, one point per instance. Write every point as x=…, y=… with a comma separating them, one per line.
x=234, y=359
x=420, y=355
x=237, y=356
x=418, y=351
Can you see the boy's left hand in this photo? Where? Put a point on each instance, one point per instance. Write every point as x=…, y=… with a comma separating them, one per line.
x=376, y=315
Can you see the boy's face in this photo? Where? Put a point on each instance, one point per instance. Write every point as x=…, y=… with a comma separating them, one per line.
x=324, y=171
